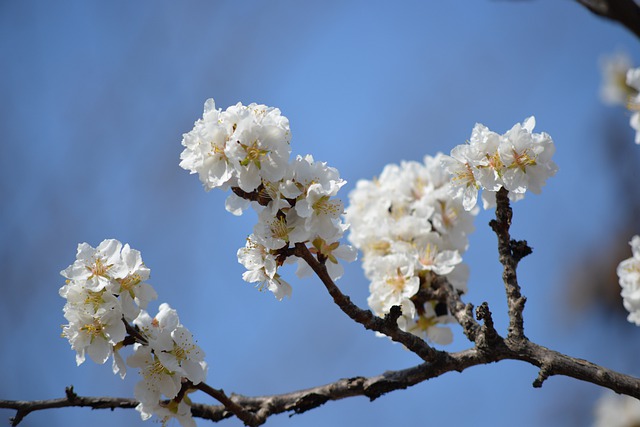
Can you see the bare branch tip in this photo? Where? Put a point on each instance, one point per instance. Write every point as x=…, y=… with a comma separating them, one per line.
x=543, y=374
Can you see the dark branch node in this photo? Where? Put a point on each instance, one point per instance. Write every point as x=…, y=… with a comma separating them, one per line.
x=488, y=335
x=259, y=195
x=309, y=401
x=520, y=249
x=543, y=374
x=71, y=395
x=380, y=388
x=391, y=318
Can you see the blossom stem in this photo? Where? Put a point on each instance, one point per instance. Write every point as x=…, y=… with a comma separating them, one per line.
x=510, y=253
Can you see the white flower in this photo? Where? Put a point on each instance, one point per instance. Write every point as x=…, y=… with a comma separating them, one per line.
x=277, y=231
x=95, y=334
x=613, y=410
x=259, y=148
x=204, y=151
x=156, y=379
x=167, y=411
x=629, y=277
x=519, y=160
x=321, y=213
x=426, y=325
x=305, y=172
x=431, y=258
x=527, y=158
x=262, y=268
x=97, y=267
x=331, y=252
x=159, y=327
x=486, y=161
x=464, y=183
x=633, y=80
x=614, y=89
x=134, y=293
x=393, y=282
x=183, y=356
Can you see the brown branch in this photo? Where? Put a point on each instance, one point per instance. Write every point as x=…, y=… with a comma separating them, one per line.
x=510, y=253
x=24, y=408
x=261, y=407
x=625, y=12
x=247, y=417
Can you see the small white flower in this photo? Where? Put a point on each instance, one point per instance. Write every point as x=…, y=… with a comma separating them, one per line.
x=527, y=158
x=183, y=356
x=431, y=258
x=614, y=89
x=464, y=183
x=633, y=80
x=95, y=334
x=97, y=267
x=629, y=278
x=331, y=252
x=393, y=282
x=156, y=379
x=613, y=410
x=425, y=323
x=133, y=291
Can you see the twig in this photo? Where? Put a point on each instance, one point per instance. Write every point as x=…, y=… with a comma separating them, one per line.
x=552, y=363
x=510, y=253
x=24, y=408
x=247, y=417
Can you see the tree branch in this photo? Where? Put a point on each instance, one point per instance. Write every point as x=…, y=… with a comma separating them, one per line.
x=511, y=252
x=625, y=12
x=261, y=407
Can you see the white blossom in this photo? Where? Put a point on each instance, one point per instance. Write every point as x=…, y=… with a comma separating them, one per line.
x=614, y=89
x=518, y=160
x=613, y=410
x=629, y=278
x=410, y=229
x=633, y=81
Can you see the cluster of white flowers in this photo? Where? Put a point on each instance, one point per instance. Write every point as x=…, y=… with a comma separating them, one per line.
x=246, y=148
x=106, y=292
x=518, y=160
x=410, y=230
x=629, y=277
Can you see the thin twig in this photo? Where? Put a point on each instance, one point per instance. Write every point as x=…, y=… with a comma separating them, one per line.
x=509, y=261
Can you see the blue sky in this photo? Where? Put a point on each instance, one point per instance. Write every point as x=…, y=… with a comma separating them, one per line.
x=97, y=96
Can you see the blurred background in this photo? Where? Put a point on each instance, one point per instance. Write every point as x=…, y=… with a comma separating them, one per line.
x=96, y=97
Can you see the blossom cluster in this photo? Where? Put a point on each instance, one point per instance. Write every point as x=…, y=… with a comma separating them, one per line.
x=411, y=231
x=629, y=277
x=106, y=297
x=519, y=160
x=247, y=148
